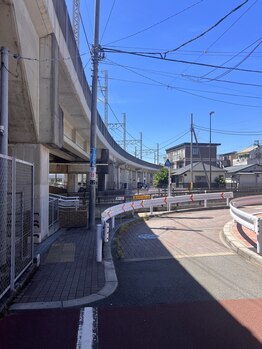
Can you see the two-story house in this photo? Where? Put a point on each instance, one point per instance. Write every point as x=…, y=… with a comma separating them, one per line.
x=180, y=155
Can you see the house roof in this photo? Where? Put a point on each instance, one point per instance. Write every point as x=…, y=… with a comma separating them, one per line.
x=182, y=145
x=197, y=167
x=230, y=153
x=240, y=168
x=247, y=150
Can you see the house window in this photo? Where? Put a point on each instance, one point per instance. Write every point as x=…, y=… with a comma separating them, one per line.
x=200, y=178
x=195, y=151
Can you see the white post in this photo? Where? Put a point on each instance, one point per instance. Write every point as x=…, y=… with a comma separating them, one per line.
x=169, y=181
x=259, y=236
x=99, y=229
x=205, y=201
x=151, y=208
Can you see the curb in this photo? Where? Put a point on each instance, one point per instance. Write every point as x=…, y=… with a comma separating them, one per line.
x=238, y=247
x=111, y=283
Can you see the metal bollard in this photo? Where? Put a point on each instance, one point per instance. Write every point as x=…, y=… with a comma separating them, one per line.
x=99, y=244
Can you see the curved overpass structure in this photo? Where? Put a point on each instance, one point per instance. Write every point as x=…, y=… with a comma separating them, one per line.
x=50, y=102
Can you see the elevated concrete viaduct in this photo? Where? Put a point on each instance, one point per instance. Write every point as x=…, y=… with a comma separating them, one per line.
x=50, y=101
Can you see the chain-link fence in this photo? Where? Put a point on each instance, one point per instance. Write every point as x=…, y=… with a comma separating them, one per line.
x=16, y=220
x=53, y=215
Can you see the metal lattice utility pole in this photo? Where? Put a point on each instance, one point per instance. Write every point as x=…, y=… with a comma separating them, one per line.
x=76, y=14
x=106, y=99
x=124, y=127
x=141, y=145
x=95, y=58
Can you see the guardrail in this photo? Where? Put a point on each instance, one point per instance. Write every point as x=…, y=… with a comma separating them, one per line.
x=67, y=201
x=248, y=220
x=112, y=212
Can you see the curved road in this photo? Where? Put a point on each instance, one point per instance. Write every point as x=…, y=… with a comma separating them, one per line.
x=180, y=286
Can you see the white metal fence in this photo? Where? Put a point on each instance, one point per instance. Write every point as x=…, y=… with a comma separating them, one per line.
x=16, y=220
x=248, y=220
x=66, y=201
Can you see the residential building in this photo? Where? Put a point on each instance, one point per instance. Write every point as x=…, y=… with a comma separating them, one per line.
x=242, y=156
x=181, y=177
x=226, y=159
x=243, y=176
x=180, y=155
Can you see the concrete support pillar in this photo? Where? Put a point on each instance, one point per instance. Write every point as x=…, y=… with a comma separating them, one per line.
x=39, y=156
x=72, y=183
x=118, y=177
x=51, y=127
x=111, y=177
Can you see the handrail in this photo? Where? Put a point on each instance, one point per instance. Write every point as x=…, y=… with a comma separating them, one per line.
x=248, y=220
x=67, y=30
x=66, y=201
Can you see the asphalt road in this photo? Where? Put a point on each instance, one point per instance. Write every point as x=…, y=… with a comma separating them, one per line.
x=180, y=286
x=183, y=289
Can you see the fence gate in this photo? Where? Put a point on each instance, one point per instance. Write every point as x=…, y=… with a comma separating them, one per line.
x=16, y=220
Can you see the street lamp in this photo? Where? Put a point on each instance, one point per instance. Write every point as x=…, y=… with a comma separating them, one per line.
x=210, y=172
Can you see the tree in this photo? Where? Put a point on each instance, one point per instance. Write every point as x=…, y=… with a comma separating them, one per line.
x=220, y=180
x=161, y=178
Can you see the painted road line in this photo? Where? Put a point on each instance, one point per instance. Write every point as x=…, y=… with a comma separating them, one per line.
x=86, y=336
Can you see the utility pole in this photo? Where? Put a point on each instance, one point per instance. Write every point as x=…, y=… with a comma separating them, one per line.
x=210, y=172
x=191, y=154
x=204, y=167
x=157, y=153
x=95, y=59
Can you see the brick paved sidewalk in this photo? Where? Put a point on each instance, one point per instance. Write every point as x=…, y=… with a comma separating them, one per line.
x=68, y=270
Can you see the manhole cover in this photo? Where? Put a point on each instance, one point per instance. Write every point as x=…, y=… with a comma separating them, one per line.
x=147, y=236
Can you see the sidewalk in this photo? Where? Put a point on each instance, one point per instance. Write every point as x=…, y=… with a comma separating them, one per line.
x=70, y=276
x=243, y=241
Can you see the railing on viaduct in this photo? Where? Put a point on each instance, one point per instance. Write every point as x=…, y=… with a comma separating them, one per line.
x=66, y=28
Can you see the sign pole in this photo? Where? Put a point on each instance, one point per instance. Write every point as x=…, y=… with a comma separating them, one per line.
x=95, y=58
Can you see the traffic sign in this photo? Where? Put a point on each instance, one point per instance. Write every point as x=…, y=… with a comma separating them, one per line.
x=168, y=163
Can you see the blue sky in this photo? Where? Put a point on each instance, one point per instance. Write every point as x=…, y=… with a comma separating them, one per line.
x=158, y=96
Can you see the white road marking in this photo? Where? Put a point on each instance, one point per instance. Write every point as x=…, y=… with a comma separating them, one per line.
x=85, y=336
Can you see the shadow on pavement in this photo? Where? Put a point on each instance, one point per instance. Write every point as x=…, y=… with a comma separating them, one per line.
x=158, y=304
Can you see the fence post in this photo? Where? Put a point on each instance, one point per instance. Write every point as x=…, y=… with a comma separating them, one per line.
x=13, y=219
x=151, y=208
x=259, y=236
x=99, y=229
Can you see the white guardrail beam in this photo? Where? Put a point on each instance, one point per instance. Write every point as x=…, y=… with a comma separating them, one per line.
x=113, y=211
x=248, y=220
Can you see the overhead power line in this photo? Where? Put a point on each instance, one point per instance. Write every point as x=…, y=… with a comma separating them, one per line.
x=208, y=30
x=155, y=24
x=159, y=56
